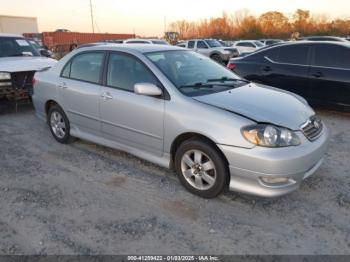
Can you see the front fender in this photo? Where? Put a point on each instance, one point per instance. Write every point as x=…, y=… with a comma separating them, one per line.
x=220, y=126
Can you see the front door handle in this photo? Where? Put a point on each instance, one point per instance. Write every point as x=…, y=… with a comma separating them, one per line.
x=107, y=96
x=317, y=74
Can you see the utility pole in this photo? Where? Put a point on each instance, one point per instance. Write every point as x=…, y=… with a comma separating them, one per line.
x=92, y=17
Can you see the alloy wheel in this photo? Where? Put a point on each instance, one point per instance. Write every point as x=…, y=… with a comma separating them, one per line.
x=57, y=124
x=198, y=169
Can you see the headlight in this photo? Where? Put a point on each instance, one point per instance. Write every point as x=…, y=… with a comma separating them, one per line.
x=5, y=76
x=270, y=136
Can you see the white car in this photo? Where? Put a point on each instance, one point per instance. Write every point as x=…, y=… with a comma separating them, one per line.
x=245, y=46
x=145, y=41
x=19, y=60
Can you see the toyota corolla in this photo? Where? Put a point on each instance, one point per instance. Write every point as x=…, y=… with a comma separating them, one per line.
x=181, y=110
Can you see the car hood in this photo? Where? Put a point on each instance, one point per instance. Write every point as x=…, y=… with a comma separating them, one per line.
x=262, y=104
x=223, y=48
x=18, y=64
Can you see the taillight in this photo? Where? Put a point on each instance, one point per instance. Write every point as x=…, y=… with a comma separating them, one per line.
x=231, y=66
x=33, y=81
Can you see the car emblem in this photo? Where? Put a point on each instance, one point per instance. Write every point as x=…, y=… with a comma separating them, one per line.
x=316, y=124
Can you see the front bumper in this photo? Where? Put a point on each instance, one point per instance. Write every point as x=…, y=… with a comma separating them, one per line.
x=250, y=167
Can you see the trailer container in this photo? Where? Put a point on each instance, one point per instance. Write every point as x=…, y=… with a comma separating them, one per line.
x=18, y=24
x=65, y=41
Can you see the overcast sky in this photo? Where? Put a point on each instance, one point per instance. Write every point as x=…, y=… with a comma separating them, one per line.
x=146, y=17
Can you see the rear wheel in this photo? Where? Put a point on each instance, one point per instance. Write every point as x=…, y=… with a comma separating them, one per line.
x=217, y=58
x=201, y=168
x=59, y=124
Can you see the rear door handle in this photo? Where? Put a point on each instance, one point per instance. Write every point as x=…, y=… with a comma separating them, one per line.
x=63, y=85
x=107, y=96
x=317, y=74
x=267, y=69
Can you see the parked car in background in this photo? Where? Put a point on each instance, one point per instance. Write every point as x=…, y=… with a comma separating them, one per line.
x=62, y=30
x=267, y=42
x=116, y=41
x=181, y=44
x=322, y=38
x=226, y=43
x=145, y=41
x=42, y=50
x=19, y=60
x=318, y=71
x=213, y=49
x=181, y=110
x=248, y=45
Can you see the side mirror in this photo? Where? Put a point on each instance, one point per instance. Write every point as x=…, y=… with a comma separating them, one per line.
x=45, y=52
x=147, y=89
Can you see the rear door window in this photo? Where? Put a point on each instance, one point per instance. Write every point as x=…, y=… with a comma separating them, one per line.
x=190, y=44
x=66, y=70
x=293, y=54
x=332, y=56
x=201, y=44
x=87, y=67
x=272, y=54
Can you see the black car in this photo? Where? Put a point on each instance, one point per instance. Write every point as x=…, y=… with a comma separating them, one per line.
x=318, y=71
x=322, y=38
x=268, y=42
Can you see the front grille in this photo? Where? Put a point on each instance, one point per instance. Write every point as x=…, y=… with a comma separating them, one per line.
x=19, y=89
x=312, y=129
x=22, y=80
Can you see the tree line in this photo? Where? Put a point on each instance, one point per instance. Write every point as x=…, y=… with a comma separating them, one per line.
x=273, y=24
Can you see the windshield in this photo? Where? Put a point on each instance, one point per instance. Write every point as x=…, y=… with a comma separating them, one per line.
x=12, y=46
x=213, y=43
x=259, y=44
x=34, y=44
x=194, y=74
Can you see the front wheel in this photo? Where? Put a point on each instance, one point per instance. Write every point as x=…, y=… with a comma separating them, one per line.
x=201, y=168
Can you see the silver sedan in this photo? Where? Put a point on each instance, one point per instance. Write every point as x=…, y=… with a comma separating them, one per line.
x=180, y=110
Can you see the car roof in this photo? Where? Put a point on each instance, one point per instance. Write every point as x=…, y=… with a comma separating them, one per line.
x=291, y=43
x=144, y=39
x=346, y=44
x=201, y=39
x=10, y=35
x=320, y=36
x=140, y=48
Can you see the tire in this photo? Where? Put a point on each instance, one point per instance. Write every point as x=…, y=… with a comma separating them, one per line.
x=59, y=124
x=217, y=58
x=214, y=180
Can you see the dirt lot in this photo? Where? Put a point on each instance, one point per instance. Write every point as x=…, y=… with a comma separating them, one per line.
x=87, y=199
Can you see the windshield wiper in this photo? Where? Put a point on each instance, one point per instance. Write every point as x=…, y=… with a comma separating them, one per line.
x=226, y=79
x=197, y=85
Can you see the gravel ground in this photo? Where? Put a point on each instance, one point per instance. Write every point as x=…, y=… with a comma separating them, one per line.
x=87, y=199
